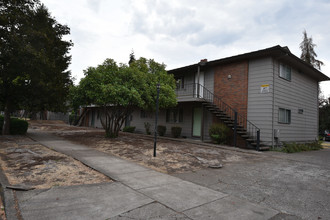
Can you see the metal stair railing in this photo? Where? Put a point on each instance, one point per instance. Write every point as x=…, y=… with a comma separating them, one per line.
x=199, y=91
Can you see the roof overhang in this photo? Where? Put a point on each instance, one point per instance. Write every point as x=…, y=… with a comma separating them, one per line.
x=282, y=54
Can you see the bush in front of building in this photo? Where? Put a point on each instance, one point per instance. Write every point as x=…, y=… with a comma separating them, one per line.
x=294, y=147
x=219, y=133
x=161, y=130
x=17, y=126
x=176, y=131
x=147, y=127
x=129, y=129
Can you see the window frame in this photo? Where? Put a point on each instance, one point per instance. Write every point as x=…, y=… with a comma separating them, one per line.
x=179, y=81
x=285, y=72
x=145, y=114
x=174, y=115
x=287, y=116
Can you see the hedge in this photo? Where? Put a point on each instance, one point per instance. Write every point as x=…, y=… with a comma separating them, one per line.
x=17, y=126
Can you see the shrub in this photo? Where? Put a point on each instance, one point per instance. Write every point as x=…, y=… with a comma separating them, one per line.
x=17, y=126
x=129, y=129
x=219, y=133
x=73, y=118
x=176, y=131
x=161, y=129
x=296, y=147
x=147, y=127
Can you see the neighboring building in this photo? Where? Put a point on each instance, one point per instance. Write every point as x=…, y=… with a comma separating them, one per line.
x=272, y=91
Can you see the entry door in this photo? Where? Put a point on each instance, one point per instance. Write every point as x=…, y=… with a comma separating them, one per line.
x=201, y=82
x=197, y=122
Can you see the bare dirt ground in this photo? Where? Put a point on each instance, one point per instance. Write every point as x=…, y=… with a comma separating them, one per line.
x=31, y=164
x=172, y=156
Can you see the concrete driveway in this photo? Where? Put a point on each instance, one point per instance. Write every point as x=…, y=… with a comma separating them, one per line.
x=297, y=184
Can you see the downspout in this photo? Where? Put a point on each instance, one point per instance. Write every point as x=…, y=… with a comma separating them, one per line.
x=273, y=104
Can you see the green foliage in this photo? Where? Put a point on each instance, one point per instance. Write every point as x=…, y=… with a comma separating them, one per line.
x=296, y=147
x=307, y=52
x=129, y=129
x=73, y=118
x=118, y=89
x=33, y=58
x=176, y=131
x=147, y=127
x=17, y=126
x=219, y=133
x=161, y=130
x=324, y=116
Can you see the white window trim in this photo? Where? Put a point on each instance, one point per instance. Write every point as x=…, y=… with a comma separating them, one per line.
x=285, y=71
x=287, y=116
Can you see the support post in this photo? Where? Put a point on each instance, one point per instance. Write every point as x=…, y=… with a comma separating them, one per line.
x=156, y=120
x=235, y=130
x=198, y=76
x=258, y=140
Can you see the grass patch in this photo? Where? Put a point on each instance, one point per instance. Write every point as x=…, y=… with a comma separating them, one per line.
x=294, y=147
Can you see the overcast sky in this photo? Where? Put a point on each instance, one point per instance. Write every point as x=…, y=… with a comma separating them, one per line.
x=180, y=33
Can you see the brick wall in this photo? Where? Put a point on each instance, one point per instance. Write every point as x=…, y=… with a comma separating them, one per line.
x=233, y=91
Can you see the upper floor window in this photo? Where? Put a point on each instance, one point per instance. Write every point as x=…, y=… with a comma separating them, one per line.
x=284, y=116
x=179, y=82
x=285, y=71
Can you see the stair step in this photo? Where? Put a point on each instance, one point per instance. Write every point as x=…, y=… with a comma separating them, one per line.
x=245, y=136
x=261, y=148
x=264, y=148
x=229, y=121
x=222, y=115
x=250, y=140
x=210, y=106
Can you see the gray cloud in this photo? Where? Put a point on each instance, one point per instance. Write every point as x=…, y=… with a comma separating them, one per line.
x=94, y=5
x=163, y=19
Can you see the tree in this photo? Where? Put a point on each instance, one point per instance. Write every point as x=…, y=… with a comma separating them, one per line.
x=131, y=58
x=324, y=115
x=307, y=52
x=118, y=89
x=33, y=59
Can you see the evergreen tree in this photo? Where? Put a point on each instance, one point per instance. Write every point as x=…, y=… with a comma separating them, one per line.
x=33, y=59
x=131, y=58
x=307, y=52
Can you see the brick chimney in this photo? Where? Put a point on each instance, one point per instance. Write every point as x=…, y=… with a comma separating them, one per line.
x=203, y=62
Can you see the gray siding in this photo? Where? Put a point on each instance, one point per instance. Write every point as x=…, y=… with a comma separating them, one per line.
x=186, y=125
x=260, y=104
x=299, y=93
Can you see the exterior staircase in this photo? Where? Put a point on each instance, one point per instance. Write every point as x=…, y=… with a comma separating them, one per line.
x=229, y=116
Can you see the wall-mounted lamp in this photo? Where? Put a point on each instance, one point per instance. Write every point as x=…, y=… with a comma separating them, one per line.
x=229, y=76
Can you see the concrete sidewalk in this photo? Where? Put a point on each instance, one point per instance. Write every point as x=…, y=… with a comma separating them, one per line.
x=138, y=193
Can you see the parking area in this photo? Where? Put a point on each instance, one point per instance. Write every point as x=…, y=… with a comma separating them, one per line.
x=297, y=184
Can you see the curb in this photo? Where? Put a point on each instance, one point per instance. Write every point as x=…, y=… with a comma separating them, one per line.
x=8, y=197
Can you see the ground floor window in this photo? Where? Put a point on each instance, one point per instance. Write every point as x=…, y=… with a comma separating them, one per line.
x=145, y=114
x=174, y=115
x=284, y=116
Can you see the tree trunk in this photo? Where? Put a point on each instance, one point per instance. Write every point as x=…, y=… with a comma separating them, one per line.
x=6, y=121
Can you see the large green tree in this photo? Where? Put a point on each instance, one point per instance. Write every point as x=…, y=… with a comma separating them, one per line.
x=33, y=59
x=118, y=89
x=308, y=53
